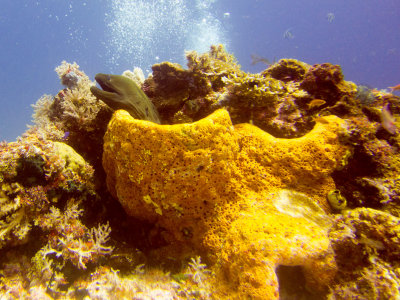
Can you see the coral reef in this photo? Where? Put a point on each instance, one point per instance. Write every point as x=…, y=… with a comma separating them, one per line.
x=70, y=75
x=283, y=184
x=73, y=116
x=274, y=100
x=281, y=101
x=287, y=70
x=42, y=183
x=106, y=283
x=34, y=176
x=51, y=209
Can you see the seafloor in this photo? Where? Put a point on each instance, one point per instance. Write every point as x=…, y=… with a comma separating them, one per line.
x=277, y=185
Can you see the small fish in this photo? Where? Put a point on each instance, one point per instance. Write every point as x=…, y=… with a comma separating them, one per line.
x=288, y=34
x=255, y=59
x=316, y=103
x=387, y=120
x=321, y=120
x=66, y=135
x=330, y=17
x=394, y=88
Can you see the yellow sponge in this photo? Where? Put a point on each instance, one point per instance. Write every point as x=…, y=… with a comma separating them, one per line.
x=227, y=191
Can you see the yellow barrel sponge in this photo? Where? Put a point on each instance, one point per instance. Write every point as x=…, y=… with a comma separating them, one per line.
x=173, y=174
x=209, y=184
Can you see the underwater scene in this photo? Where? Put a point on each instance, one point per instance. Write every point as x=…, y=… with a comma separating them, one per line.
x=200, y=150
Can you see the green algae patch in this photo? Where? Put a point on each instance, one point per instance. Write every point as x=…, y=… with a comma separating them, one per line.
x=73, y=161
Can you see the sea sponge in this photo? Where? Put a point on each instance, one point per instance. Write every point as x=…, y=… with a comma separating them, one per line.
x=263, y=238
x=209, y=185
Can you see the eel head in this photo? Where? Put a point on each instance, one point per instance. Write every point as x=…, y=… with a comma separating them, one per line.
x=120, y=92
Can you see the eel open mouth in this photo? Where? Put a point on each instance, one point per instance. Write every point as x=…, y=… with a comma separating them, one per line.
x=120, y=92
x=104, y=80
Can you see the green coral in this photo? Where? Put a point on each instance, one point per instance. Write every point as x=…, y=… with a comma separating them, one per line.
x=73, y=161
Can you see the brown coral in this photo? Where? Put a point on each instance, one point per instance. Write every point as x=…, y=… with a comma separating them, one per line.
x=326, y=81
x=367, y=249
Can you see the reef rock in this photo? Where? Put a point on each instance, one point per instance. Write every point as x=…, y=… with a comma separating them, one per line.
x=367, y=249
x=280, y=100
x=232, y=193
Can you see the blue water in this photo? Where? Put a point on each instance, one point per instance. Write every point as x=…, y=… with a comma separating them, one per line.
x=112, y=36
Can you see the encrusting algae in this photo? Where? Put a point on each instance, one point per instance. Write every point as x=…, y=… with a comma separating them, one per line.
x=277, y=185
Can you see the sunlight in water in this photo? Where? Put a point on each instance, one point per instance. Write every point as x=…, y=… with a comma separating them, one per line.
x=139, y=31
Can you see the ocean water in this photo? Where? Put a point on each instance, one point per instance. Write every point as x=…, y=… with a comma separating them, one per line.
x=363, y=36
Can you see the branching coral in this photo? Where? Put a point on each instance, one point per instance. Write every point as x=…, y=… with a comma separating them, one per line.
x=43, y=124
x=78, y=106
x=36, y=176
x=69, y=243
x=136, y=75
x=197, y=270
x=11, y=214
x=70, y=75
x=74, y=108
x=74, y=116
x=107, y=283
x=71, y=240
x=196, y=281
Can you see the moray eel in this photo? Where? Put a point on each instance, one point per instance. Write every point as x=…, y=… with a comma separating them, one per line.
x=120, y=92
